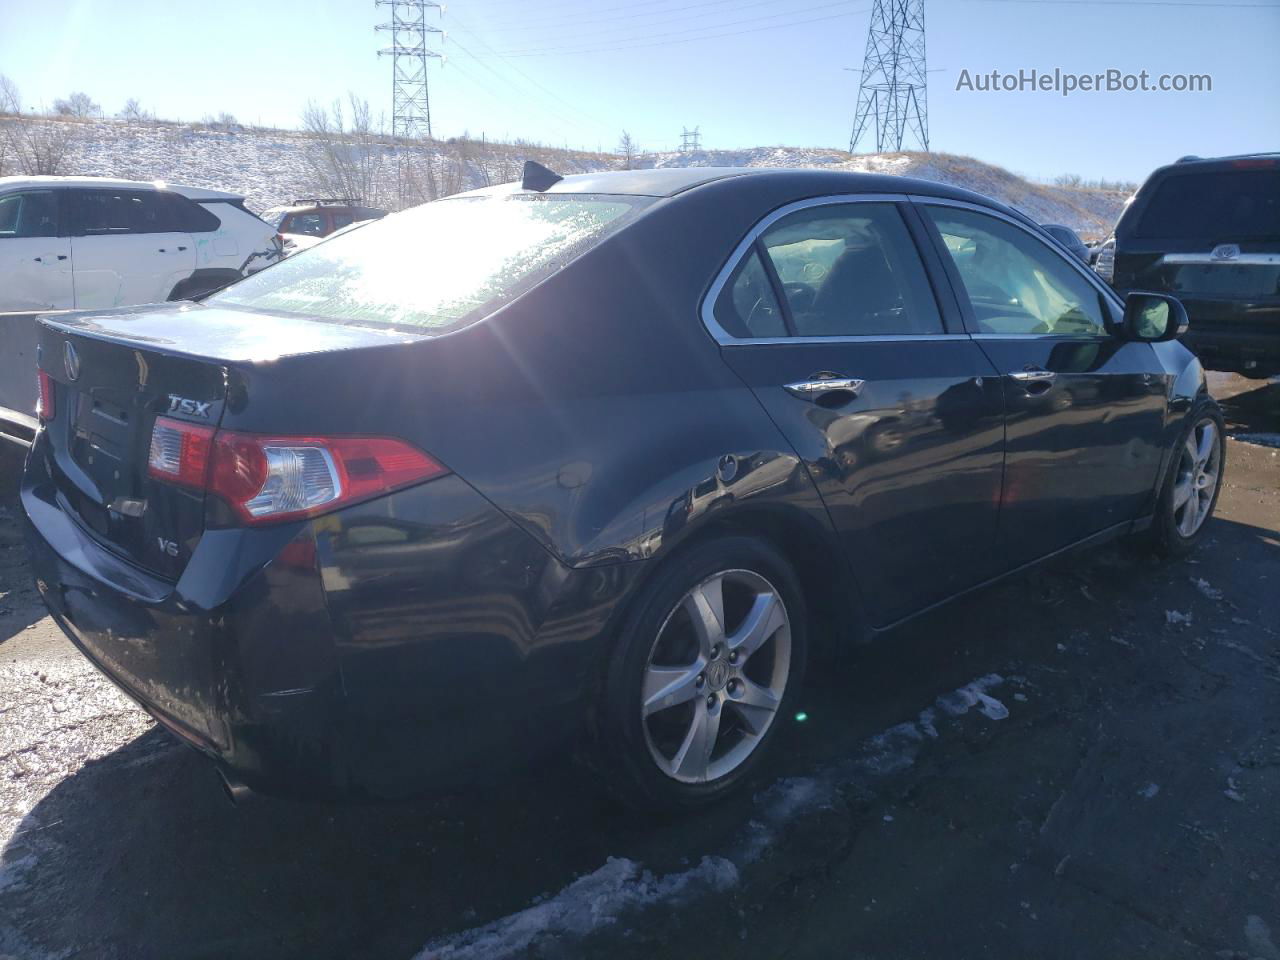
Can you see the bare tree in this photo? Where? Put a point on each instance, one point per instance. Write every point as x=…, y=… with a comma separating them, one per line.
x=79, y=105
x=10, y=101
x=628, y=150
x=36, y=145
x=344, y=158
x=132, y=111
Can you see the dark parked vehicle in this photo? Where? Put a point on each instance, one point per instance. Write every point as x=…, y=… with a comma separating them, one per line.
x=319, y=216
x=1208, y=231
x=1069, y=239
x=596, y=460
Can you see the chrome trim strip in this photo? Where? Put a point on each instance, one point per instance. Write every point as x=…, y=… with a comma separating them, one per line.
x=886, y=338
x=1078, y=338
x=1205, y=259
x=707, y=310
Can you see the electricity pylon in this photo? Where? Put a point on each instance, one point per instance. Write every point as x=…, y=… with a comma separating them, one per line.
x=892, y=95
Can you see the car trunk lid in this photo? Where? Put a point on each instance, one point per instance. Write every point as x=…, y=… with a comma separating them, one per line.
x=115, y=374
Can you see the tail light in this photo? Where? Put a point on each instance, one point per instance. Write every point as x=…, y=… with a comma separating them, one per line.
x=267, y=479
x=1105, y=265
x=45, y=409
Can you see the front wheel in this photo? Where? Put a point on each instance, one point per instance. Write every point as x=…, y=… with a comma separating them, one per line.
x=704, y=672
x=1193, y=482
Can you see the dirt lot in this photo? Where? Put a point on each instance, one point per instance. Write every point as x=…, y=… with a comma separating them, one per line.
x=1083, y=762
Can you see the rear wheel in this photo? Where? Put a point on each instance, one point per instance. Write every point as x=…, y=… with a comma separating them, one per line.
x=1191, y=488
x=706, y=667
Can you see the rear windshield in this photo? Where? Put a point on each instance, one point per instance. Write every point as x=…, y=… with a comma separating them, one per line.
x=275, y=216
x=1217, y=207
x=437, y=266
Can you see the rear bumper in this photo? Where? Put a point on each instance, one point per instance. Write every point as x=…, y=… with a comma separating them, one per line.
x=221, y=669
x=417, y=641
x=1234, y=335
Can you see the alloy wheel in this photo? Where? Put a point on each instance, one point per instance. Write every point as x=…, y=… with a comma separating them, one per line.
x=715, y=676
x=1199, y=469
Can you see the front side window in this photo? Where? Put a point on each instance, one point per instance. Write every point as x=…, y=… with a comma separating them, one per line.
x=32, y=214
x=851, y=270
x=1016, y=283
x=438, y=266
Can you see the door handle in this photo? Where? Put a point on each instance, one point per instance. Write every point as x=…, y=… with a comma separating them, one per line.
x=1034, y=379
x=61, y=256
x=824, y=383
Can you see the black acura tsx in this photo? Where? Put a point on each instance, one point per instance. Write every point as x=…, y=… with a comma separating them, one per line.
x=589, y=463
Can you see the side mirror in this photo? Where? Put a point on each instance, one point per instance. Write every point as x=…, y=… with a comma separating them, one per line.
x=1153, y=317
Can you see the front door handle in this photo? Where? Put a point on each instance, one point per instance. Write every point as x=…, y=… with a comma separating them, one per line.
x=823, y=383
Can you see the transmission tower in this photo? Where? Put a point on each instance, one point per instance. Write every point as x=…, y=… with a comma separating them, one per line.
x=691, y=139
x=892, y=95
x=410, y=104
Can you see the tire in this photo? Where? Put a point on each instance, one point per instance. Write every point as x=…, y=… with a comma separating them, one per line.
x=1171, y=533
x=698, y=693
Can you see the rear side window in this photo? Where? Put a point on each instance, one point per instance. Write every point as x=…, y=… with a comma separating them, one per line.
x=852, y=270
x=438, y=266
x=747, y=307
x=187, y=216
x=1216, y=207
x=106, y=212
x=33, y=214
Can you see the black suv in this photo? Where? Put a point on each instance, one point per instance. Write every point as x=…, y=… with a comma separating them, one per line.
x=1208, y=232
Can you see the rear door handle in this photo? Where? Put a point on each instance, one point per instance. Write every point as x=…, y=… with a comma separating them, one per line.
x=824, y=383
x=1034, y=380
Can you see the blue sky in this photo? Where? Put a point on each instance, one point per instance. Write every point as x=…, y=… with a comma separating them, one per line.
x=576, y=72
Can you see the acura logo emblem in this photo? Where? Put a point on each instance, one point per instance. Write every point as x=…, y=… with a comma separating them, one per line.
x=71, y=360
x=1225, y=251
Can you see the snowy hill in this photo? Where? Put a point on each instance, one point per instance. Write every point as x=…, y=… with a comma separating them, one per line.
x=272, y=166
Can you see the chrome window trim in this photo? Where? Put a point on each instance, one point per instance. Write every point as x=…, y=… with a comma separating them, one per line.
x=1066, y=257
x=724, y=338
x=875, y=338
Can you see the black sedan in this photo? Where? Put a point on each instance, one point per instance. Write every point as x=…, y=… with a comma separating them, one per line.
x=594, y=461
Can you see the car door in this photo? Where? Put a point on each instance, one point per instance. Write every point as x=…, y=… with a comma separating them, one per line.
x=828, y=312
x=127, y=248
x=1085, y=408
x=35, y=258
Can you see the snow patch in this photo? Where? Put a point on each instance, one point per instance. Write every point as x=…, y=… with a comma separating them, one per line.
x=959, y=702
x=592, y=901
x=1149, y=791
x=1213, y=593
x=621, y=886
x=1176, y=617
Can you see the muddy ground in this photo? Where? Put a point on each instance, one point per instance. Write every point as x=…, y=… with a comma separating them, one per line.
x=1082, y=762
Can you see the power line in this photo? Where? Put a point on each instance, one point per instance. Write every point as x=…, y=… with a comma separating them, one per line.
x=551, y=93
x=1144, y=3
x=690, y=140
x=630, y=42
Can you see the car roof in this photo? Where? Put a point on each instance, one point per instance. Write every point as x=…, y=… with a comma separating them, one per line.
x=192, y=193
x=671, y=181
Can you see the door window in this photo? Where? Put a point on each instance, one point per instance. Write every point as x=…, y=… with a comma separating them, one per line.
x=851, y=270
x=308, y=224
x=33, y=214
x=1016, y=283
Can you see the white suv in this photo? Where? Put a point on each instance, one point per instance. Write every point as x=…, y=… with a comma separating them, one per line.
x=93, y=242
